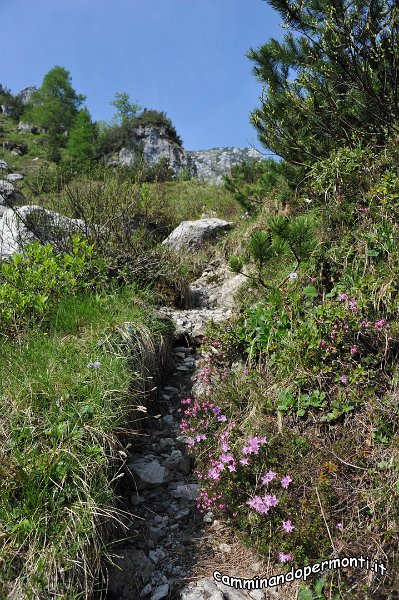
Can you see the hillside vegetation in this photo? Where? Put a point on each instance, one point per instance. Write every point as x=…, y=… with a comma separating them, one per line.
x=296, y=442
x=82, y=347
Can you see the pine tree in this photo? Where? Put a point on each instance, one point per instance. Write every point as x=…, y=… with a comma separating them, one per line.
x=80, y=145
x=333, y=80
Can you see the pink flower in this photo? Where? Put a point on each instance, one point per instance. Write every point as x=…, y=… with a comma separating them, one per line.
x=253, y=445
x=268, y=477
x=287, y=526
x=343, y=379
x=340, y=526
x=284, y=557
x=342, y=296
x=222, y=418
x=244, y=461
x=226, y=458
x=264, y=504
x=353, y=350
x=285, y=481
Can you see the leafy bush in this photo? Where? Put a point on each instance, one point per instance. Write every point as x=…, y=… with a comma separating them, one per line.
x=31, y=283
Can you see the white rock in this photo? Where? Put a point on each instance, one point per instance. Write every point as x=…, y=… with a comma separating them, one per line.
x=15, y=177
x=257, y=595
x=22, y=225
x=191, y=234
x=156, y=144
x=191, y=593
x=213, y=164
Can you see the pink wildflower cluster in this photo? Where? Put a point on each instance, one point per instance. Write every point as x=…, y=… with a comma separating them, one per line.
x=206, y=501
x=268, y=477
x=287, y=526
x=254, y=443
x=215, y=359
x=379, y=325
x=197, y=417
x=225, y=462
x=337, y=332
x=263, y=504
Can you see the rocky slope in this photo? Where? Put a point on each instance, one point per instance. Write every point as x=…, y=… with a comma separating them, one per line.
x=155, y=144
x=213, y=164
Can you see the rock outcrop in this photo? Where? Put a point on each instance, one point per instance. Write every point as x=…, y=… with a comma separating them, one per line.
x=155, y=144
x=213, y=164
x=30, y=128
x=26, y=94
x=23, y=225
x=190, y=235
x=9, y=195
x=14, y=148
x=6, y=110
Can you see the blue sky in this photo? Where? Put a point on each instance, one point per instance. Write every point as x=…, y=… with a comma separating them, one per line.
x=185, y=57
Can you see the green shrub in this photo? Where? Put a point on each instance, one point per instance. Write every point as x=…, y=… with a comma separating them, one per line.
x=31, y=283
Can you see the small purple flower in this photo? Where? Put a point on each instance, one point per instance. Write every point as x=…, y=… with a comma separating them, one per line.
x=343, y=379
x=94, y=365
x=244, y=461
x=222, y=418
x=268, y=477
x=340, y=526
x=285, y=481
x=287, y=526
x=284, y=557
x=293, y=275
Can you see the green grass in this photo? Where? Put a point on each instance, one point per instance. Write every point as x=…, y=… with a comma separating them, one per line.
x=188, y=200
x=24, y=164
x=59, y=423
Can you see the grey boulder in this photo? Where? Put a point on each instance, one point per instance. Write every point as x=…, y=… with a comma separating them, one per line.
x=15, y=177
x=22, y=225
x=190, y=235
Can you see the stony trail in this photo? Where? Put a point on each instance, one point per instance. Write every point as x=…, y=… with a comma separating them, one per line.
x=167, y=538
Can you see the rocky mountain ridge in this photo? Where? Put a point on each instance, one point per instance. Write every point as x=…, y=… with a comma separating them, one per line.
x=214, y=163
x=207, y=165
